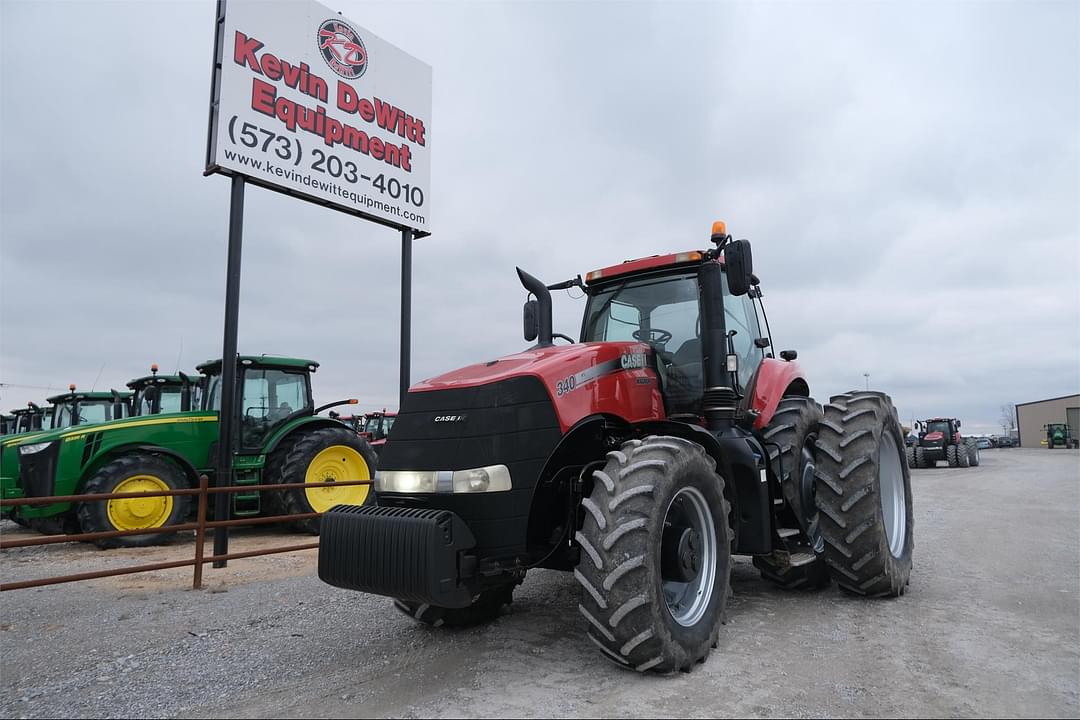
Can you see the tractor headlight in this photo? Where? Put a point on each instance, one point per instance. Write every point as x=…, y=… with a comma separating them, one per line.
x=491, y=478
x=33, y=448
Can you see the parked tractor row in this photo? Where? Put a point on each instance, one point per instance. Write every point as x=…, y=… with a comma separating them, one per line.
x=162, y=435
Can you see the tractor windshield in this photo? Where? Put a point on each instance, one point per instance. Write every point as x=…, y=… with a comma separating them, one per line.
x=941, y=427
x=95, y=411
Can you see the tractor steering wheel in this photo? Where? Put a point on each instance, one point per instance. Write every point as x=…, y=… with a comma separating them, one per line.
x=656, y=335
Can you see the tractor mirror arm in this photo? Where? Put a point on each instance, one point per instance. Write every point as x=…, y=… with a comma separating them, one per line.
x=350, y=401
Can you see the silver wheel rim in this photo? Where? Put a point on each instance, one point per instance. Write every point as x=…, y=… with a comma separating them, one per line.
x=688, y=601
x=892, y=495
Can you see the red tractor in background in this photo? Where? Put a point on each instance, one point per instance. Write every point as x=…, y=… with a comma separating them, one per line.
x=940, y=439
x=376, y=428
x=639, y=457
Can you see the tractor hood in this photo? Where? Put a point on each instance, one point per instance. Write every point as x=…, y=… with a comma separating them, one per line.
x=936, y=436
x=582, y=379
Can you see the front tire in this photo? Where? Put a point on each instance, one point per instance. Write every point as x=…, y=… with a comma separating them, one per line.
x=920, y=458
x=317, y=456
x=134, y=473
x=952, y=456
x=655, y=555
x=790, y=437
x=865, y=495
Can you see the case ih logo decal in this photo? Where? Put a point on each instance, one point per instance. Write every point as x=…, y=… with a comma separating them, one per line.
x=342, y=49
x=450, y=418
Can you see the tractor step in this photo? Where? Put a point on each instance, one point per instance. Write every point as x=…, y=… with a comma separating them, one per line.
x=246, y=504
x=799, y=559
x=778, y=501
x=787, y=532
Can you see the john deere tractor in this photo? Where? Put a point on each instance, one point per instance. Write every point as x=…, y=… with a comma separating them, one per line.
x=280, y=439
x=32, y=418
x=1059, y=435
x=154, y=394
x=77, y=407
x=940, y=439
x=639, y=457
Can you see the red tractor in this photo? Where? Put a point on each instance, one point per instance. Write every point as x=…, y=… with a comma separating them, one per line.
x=640, y=458
x=376, y=428
x=940, y=439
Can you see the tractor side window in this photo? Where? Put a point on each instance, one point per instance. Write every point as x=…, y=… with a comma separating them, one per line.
x=94, y=412
x=62, y=418
x=170, y=400
x=741, y=316
x=270, y=397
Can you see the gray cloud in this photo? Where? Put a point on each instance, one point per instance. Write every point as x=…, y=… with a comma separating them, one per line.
x=909, y=175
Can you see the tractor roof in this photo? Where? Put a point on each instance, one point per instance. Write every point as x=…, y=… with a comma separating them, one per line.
x=155, y=380
x=653, y=262
x=26, y=411
x=87, y=395
x=212, y=367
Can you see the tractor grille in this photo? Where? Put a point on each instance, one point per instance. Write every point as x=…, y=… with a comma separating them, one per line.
x=37, y=472
x=511, y=422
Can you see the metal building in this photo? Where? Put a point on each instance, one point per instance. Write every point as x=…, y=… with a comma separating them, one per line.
x=1033, y=417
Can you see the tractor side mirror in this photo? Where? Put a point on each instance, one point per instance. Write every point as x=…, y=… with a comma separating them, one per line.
x=957, y=423
x=531, y=319
x=739, y=265
x=762, y=342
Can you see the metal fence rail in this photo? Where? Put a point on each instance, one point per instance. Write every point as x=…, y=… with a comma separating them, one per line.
x=200, y=526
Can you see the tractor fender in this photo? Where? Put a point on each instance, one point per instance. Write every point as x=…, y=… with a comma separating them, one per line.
x=773, y=381
x=310, y=422
x=739, y=457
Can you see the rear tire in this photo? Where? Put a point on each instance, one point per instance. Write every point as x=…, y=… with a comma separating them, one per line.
x=655, y=555
x=315, y=456
x=963, y=459
x=486, y=606
x=794, y=430
x=952, y=456
x=973, y=454
x=134, y=473
x=864, y=495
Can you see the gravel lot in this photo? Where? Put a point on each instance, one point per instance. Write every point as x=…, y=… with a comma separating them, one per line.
x=990, y=626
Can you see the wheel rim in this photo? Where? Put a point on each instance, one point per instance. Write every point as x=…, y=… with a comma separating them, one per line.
x=689, y=522
x=892, y=495
x=336, y=463
x=140, y=513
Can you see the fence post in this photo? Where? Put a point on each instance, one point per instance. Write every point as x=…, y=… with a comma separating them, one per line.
x=200, y=533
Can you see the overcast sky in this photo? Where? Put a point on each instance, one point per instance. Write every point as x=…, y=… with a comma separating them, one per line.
x=909, y=175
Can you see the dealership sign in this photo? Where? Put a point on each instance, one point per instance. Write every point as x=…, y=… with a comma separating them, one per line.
x=307, y=102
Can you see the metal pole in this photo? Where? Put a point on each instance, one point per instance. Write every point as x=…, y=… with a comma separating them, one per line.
x=406, y=313
x=223, y=476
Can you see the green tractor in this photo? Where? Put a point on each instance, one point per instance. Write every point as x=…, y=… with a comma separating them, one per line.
x=155, y=394
x=75, y=408
x=280, y=438
x=32, y=418
x=1059, y=435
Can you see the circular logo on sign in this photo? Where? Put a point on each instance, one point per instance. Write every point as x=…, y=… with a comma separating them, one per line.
x=342, y=49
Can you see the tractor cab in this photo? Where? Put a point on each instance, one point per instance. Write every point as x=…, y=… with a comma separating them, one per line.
x=7, y=424
x=155, y=394
x=273, y=390
x=32, y=418
x=376, y=428
x=80, y=408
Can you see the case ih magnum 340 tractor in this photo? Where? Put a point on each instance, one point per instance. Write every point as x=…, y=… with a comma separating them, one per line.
x=940, y=439
x=639, y=459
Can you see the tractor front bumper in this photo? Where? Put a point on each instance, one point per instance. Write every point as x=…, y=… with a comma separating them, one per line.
x=413, y=554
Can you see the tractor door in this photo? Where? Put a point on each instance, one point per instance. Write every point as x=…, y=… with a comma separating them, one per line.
x=270, y=398
x=740, y=316
x=662, y=311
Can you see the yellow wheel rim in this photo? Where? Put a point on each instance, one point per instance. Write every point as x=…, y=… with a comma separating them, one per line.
x=337, y=463
x=140, y=513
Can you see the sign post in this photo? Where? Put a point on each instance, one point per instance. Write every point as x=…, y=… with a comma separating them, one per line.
x=307, y=103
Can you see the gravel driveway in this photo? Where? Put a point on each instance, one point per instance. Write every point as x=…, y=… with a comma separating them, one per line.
x=990, y=626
